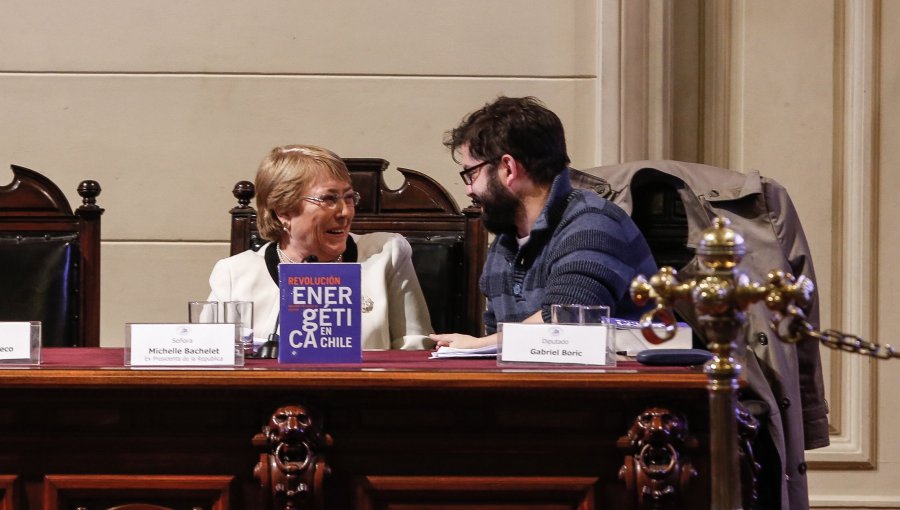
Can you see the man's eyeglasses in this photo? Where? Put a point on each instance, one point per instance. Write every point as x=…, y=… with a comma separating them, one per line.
x=469, y=174
x=330, y=200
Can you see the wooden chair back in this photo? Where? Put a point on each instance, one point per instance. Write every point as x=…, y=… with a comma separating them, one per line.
x=50, y=259
x=658, y=212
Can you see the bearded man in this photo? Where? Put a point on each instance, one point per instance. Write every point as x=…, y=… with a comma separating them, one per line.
x=553, y=244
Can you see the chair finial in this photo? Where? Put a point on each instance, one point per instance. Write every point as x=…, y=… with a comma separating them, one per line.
x=244, y=191
x=89, y=190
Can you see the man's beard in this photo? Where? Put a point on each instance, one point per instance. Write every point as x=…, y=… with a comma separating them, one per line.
x=499, y=207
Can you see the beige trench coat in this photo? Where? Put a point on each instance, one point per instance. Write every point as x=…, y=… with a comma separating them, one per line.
x=788, y=377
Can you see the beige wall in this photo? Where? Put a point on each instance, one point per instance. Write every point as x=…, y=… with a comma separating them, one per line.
x=168, y=103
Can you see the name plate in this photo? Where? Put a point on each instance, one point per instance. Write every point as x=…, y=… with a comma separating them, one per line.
x=20, y=342
x=188, y=345
x=560, y=344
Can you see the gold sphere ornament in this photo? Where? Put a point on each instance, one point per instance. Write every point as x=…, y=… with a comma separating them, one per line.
x=721, y=248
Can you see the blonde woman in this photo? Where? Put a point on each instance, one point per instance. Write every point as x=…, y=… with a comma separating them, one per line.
x=305, y=207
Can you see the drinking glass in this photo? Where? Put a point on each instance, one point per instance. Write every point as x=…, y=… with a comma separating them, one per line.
x=566, y=314
x=241, y=313
x=594, y=314
x=598, y=315
x=203, y=312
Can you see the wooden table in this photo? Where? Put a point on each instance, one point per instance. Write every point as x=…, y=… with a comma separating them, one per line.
x=396, y=431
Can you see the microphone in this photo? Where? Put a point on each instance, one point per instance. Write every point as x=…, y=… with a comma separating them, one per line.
x=269, y=350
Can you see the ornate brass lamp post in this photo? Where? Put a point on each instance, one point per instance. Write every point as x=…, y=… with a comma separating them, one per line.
x=720, y=293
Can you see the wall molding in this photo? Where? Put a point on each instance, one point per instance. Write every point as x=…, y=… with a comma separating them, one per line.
x=634, y=121
x=608, y=63
x=717, y=82
x=634, y=85
x=733, y=151
x=855, y=502
x=853, y=446
x=660, y=76
x=634, y=76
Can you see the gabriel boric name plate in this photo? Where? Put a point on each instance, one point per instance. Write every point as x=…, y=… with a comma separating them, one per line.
x=555, y=344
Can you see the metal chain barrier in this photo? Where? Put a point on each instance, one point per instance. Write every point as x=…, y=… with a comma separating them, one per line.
x=851, y=343
x=798, y=328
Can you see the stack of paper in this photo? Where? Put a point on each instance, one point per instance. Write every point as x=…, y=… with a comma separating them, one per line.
x=630, y=339
x=488, y=351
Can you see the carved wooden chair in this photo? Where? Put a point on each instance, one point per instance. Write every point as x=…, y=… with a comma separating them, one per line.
x=50, y=259
x=659, y=214
x=656, y=208
x=449, y=246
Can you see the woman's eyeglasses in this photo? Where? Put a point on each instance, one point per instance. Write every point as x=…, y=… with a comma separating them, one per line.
x=330, y=200
x=470, y=174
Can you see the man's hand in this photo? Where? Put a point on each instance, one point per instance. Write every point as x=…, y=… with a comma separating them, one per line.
x=460, y=341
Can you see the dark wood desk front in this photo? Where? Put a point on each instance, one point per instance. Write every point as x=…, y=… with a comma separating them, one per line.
x=82, y=431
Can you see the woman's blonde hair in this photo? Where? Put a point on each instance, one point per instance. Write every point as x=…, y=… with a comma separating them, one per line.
x=284, y=176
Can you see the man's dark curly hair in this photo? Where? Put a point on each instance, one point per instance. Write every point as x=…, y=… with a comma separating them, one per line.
x=519, y=126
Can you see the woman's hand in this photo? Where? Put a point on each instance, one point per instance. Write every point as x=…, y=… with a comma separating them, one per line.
x=460, y=341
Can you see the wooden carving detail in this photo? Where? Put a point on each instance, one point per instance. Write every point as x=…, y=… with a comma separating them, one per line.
x=418, y=192
x=292, y=467
x=657, y=469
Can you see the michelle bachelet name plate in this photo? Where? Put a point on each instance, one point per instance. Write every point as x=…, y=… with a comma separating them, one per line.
x=321, y=317
x=172, y=345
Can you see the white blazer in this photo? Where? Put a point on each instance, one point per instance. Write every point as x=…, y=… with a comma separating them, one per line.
x=398, y=318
